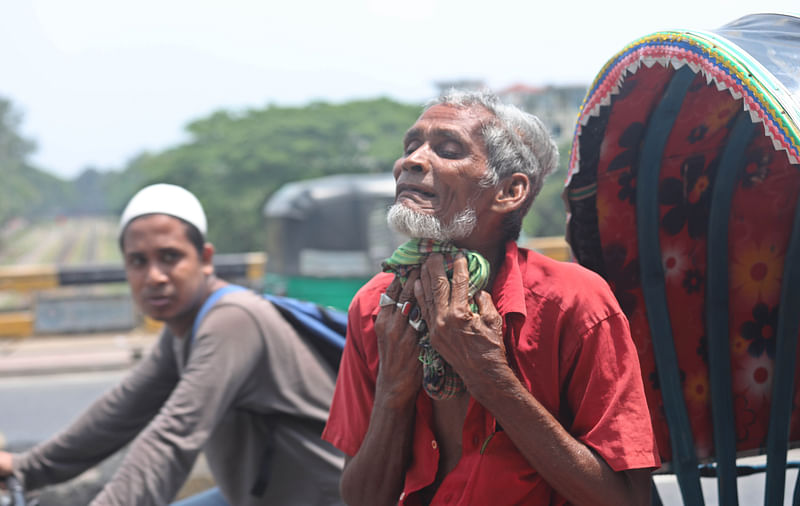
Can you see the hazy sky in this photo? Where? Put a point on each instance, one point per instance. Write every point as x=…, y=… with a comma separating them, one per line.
x=99, y=81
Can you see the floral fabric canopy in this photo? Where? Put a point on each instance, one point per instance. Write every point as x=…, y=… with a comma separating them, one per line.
x=683, y=188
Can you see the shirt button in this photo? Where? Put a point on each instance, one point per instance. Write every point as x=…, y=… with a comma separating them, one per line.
x=433, y=444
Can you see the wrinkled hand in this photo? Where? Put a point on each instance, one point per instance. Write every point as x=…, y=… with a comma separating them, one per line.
x=472, y=343
x=400, y=373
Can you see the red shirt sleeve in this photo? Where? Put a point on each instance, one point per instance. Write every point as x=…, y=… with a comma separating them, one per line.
x=355, y=386
x=607, y=397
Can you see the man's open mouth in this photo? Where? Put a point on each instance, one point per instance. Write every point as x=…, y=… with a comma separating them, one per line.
x=414, y=190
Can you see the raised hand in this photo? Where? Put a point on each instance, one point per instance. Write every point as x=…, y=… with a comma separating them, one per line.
x=6, y=463
x=400, y=373
x=472, y=343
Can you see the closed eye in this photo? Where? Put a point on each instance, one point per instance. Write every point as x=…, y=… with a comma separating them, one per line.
x=450, y=149
x=411, y=147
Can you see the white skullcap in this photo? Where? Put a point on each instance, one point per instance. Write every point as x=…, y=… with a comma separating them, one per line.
x=165, y=199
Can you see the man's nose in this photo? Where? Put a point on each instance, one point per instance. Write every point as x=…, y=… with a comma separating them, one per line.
x=156, y=274
x=418, y=160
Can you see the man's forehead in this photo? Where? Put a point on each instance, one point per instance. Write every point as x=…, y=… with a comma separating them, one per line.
x=155, y=224
x=444, y=118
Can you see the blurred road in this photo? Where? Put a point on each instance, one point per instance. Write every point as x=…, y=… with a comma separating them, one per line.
x=34, y=407
x=37, y=355
x=45, y=382
x=751, y=488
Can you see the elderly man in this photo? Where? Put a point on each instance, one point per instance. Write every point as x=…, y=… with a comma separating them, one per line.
x=475, y=371
x=239, y=384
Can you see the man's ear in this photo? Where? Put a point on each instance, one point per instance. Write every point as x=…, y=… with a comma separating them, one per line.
x=512, y=193
x=207, y=257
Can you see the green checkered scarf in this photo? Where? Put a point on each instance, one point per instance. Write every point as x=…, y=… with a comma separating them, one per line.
x=439, y=379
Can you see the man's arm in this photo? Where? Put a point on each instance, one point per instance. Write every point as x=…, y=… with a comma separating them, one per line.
x=105, y=427
x=473, y=344
x=226, y=351
x=375, y=474
x=572, y=468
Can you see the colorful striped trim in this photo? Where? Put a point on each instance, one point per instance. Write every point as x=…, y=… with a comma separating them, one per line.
x=583, y=192
x=721, y=62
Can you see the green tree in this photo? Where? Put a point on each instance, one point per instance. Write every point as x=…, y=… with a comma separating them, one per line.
x=547, y=216
x=234, y=161
x=26, y=191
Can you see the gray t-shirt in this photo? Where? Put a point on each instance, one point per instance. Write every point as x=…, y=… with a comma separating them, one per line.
x=245, y=379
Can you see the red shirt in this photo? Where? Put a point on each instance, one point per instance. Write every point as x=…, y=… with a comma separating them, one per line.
x=570, y=345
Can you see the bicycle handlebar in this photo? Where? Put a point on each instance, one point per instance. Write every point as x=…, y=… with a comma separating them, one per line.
x=15, y=490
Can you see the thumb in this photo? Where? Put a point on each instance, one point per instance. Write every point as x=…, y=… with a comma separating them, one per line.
x=488, y=312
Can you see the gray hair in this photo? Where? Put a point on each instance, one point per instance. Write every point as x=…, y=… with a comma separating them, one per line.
x=515, y=142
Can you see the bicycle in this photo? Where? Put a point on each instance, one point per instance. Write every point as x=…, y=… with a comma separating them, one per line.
x=14, y=493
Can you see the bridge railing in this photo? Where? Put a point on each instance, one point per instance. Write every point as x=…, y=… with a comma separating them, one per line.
x=55, y=311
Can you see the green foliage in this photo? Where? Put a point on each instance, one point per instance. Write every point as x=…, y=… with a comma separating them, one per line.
x=233, y=162
x=26, y=191
x=547, y=216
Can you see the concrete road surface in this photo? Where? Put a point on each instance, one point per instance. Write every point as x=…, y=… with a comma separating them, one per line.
x=35, y=407
x=46, y=382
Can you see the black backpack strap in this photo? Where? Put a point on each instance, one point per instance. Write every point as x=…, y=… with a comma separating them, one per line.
x=272, y=420
x=265, y=468
x=330, y=351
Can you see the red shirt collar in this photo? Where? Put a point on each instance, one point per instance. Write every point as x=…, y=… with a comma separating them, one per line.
x=508, y=291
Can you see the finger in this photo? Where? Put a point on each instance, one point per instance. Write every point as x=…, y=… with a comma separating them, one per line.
x=487, y=309
x=419, y=294
x=437, y=291
x=406, y=301
x=393, y=315
x=407, y=292
x=388, y=299
x=425, y=278
x=425, y=281
x=459, y=296
x=492, y=320
x=423, y=288
x=394, y=288
x=434, y=265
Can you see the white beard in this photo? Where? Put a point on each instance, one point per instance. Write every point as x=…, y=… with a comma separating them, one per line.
x=425, y=226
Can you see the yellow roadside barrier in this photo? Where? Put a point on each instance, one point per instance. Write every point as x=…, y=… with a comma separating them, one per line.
x=27, y=278
x=555, y=247
x=237, y=267
x=16, y=324
x=256, y=265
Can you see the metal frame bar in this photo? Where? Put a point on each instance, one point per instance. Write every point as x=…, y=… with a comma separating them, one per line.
x=783, y=379
x=731, y=165
x=652, y=279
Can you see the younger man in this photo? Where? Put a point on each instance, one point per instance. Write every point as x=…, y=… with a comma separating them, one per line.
x=245, y=388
